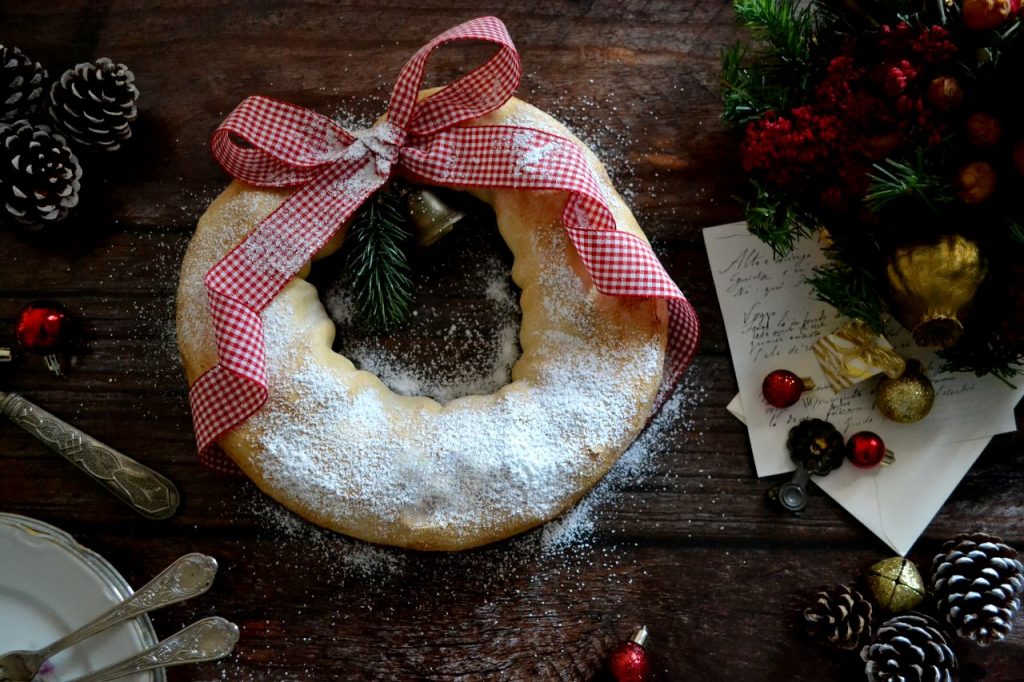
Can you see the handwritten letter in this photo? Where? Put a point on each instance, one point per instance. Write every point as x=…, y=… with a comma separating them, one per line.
x=772, y=319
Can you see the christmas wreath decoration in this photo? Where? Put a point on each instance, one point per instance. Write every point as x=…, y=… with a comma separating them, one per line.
x=897, y=127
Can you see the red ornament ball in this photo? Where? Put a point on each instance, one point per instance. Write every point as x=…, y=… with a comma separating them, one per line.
x=629, y=663
x=782, y=388
x=42, y=327
x=865, y=449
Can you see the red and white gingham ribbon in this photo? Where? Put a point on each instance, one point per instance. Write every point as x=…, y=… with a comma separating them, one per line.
x=268, y=143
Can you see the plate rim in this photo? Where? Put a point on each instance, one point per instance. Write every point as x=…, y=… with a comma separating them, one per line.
x=103, y=568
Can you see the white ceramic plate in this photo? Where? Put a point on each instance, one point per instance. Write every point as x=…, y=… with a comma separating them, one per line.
x=51, y=585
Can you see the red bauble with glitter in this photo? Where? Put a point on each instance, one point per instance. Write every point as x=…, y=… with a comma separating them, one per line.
x=782, y=388
x=42, y=327
x=629, y=662
x=866, y=449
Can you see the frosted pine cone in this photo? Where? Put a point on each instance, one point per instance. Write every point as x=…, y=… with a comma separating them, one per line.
x=977, y=582
x=840, y=618
x=909, y=647
x=21, y=84
x=39, y=175
x=94, y=104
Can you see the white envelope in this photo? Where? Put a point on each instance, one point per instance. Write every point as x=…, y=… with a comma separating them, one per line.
x=883, y=501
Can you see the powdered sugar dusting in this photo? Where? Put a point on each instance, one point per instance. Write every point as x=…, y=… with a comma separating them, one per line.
x=583, y=535
x=516, y=456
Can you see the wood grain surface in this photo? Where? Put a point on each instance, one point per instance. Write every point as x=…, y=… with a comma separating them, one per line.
x=686, y=544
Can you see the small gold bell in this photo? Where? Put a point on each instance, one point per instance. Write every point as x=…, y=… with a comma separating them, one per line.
x=431, y=218
x=932, y=286
x=896, y=584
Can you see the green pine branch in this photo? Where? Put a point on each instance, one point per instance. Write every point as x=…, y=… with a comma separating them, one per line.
x=982, y=356
x=778, y=69
x=1016, y=231
x=775, y=220
x=748, y=91
x=377, y=264
x=897, y=181
x=784, y=27
x=851, y=291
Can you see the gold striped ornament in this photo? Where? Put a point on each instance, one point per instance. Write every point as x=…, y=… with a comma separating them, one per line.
x=854, y=353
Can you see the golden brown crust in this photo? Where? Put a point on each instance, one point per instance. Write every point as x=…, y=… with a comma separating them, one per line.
x=624, y=338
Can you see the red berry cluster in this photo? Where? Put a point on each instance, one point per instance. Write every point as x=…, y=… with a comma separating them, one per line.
x=788, y=148
x=871, y=101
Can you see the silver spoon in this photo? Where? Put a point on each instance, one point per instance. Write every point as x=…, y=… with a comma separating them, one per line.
x=206, y=640
x=143, y=489
x=189, y=576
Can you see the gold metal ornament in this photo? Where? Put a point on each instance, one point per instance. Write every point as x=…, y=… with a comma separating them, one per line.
x=854, y=353
x=908, y=398
x=896, y=584
x=431, y=219
x=932, y=286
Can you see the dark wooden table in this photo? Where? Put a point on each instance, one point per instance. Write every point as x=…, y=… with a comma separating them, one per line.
x=687, y=547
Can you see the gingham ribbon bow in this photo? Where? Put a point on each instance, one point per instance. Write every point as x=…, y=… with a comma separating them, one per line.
x=268, y=143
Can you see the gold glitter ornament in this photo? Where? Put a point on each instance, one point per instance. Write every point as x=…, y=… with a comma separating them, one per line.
x=932, y=286
x=896, y=584
x=908, y=398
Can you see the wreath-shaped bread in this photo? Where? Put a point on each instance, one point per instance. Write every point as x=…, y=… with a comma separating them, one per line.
x=335, y=445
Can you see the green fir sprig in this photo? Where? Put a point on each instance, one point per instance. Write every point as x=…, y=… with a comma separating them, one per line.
x=851, y=291
x=1017, y=231
x=895, y=181
x=747, y=92
x=377, y=268
x=784, y=27
x=775, y=220
x=982, y=354
x=767, y=78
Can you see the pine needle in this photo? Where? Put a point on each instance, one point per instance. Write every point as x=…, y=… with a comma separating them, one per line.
x=747, y=90
x=376, y=263
x=776, y=221
x=895, y=181
x=1017, y=231
x=851, y=291
x=767, y=80
x=783, y=26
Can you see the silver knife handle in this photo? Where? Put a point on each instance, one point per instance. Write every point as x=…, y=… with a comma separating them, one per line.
x=146, y=491
x=205, y=640
x=189, y=576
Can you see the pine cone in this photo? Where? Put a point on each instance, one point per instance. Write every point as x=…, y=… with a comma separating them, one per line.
x=817, y=446
x=94, y=104
x=977, y=582
x=39, y=175
x=21, y=84
x=840, y=618
x=909, y=648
